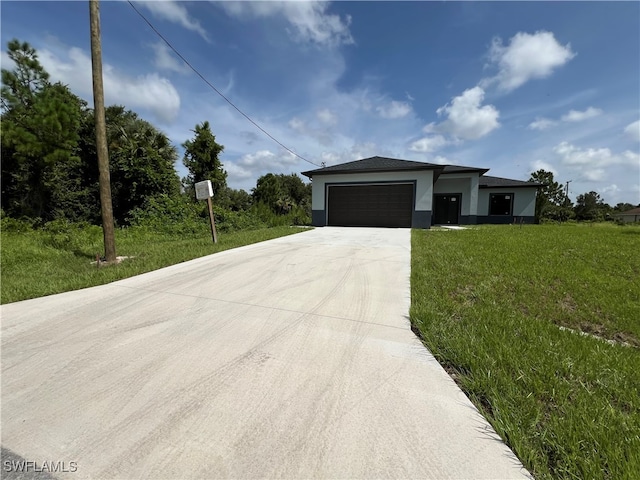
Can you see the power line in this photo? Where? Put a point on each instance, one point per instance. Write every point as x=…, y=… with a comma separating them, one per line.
x=215, y=89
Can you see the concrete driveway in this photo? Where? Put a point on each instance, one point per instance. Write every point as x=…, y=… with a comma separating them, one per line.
x=291, y=358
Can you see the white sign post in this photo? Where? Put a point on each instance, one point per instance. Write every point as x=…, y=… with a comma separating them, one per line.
x=205, y=191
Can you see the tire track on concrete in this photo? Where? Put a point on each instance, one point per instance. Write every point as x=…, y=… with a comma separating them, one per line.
x=192, y=393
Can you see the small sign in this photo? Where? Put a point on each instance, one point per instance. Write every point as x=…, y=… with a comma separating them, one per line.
x=204, y=190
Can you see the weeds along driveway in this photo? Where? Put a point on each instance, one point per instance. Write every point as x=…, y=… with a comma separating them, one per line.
x=291, y=358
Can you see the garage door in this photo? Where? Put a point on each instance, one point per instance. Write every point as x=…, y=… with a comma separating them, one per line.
x=370, y=205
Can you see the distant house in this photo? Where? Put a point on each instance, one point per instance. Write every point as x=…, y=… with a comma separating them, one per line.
x=388, y=192
x=632, y=215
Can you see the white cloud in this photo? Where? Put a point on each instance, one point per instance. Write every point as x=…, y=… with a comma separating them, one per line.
x=394, y=109
x=595, y=174
x=542, y=165
x=356, y=151
x=442, y=160
x=176, y=12
x=631, y=158
x=265, y=158
x=150, y=91
x=591, y=162
x=253, y=165
x=327, y=117
x=329, y=158
x=528, y=56
x=310, y=20
x=633, y=130
x=297, y=125
x=609, y=189
x=165, y=59
x=429, y=144
x=577, y=116
x=430, y=128
x=467, y=118
x=322, y=134
x=541, y=124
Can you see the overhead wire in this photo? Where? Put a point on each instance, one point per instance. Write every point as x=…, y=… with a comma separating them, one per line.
x=215, y=89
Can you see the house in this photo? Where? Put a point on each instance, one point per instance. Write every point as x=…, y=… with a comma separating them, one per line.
x=629, y=216
x=388, y=192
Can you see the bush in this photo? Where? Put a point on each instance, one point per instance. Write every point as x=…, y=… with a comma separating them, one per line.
x=230, y=221
x=180, y=216
x=9, y=224
x=174, y=215
x=74, y=237
x=296, y=216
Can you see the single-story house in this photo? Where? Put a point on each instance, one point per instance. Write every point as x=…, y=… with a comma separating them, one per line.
x=388, y=192
x=632, y=215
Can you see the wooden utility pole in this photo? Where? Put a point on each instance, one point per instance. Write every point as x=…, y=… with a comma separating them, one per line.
x=108, y=228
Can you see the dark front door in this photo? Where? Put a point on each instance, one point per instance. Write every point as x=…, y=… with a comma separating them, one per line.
x=447, y=209
x=370, y=205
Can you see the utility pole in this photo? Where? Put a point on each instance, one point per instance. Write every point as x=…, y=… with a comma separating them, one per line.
x=566, y=191
x=101, y=134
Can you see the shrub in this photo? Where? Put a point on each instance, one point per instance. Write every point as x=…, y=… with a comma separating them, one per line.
x=9, y=224
x=72, y=236
x=174, y=215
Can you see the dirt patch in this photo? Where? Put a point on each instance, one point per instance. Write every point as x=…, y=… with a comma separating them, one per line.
x=102, y=262
x=626, y=338
x=567, y=304
x=598, y=332
x=464, y=295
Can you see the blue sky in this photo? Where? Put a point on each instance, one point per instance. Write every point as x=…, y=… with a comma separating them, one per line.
x=513, y=87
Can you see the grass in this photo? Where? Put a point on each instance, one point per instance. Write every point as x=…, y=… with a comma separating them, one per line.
x=43, y=262
x=489, y=303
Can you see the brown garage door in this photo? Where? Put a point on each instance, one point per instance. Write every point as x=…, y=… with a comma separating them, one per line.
x=370, y=205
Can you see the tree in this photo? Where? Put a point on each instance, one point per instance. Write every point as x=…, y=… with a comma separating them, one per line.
x=623, y=207
x=589, y=206
x=295, y=188
x=201, y=159
x=39, y=139
x=49, y=167
x=141, y=161
x=237, y=200
x=282, y=192
x=550, y=196
x=267, y=190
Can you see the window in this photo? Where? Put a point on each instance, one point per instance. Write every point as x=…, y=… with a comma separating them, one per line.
x=500, y=203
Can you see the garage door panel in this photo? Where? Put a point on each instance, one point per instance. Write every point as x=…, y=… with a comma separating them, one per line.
x=370, y=205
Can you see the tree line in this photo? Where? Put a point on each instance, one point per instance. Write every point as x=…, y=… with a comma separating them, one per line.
x=553, y=203
x=49, y=160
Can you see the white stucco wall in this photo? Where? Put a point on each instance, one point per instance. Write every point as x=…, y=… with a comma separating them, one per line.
x=524, y=200
x=423, y=179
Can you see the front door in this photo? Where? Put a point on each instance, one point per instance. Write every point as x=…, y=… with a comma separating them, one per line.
x=447, y=209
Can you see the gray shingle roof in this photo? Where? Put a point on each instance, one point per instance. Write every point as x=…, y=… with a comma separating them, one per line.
x=462, y=168
x=373, y=164
x=497, y=182
x=385, y=164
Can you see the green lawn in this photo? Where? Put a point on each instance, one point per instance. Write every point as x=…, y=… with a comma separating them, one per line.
x=38, y=262
x=490, y=301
